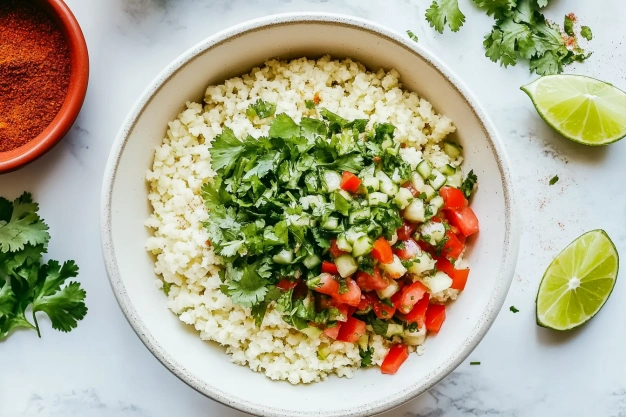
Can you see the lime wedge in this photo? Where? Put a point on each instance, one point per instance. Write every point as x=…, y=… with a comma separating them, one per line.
x=582, y=109
x=578, y=282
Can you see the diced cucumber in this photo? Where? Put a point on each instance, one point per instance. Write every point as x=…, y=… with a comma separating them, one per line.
x=403, y=198
x=432, y=232
x=376, y=198
x=426, y=263
x=395, y=177
x=332, y=223
x=345, y=194
x=331, y=181
x=353, y=234
x=395, y=269
x=393, y=150
x=323, y=352
x=438, y=282
x=360, y=214
x=424, y=169
x=371, y=183
x=363, y=341
x=312, y=332
x=437, y=203
x=456, y=179
x=453, y=150
x=346, y=265
x=418, y=182
x=387, y=143
x=415, y=211
x=309, y=201
x=391, y=289
x=394, y=329
x=284, y=257
x=394, y=239
x=343, y=244
x=362, y=246
x=414, y=338
x=437, y=179
x=430, y=192
x=387, y=186
x=311, y=261
x=448, y=170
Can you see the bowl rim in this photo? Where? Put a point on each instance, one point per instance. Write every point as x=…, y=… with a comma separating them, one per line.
x=510, y=244
x=74, y=98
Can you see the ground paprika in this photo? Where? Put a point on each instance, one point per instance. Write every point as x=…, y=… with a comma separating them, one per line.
x=34, y=72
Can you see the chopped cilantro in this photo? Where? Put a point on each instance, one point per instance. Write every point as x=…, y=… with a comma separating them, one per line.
x=513, y=309
x=585, y=32
x=568, y=25
x=261, y=109
x=366, y=357
x=474, y=363
x=468, y=184
x=310, y=104
x=442, y=12
x=554, y=180
x=167, y=287
x=412, y=35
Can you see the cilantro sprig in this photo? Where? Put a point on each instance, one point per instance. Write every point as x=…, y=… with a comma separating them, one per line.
x=27, y=282
x=520, y=32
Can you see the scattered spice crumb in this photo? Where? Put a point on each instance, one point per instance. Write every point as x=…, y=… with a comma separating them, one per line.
x=317, y=99
x=554, y=180
x=474, y=363
x=572, y=17
x=561, y=225
x=513, y=309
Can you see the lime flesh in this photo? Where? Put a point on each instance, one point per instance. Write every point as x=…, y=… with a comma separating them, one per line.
x=578, y=282
x=580, y=108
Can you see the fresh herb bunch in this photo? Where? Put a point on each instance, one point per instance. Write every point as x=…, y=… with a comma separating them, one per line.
x=270, y=199
x=521, y=32
x=26, y=282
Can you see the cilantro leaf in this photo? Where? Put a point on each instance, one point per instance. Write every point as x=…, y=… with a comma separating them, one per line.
x=283, y=127
x=20, y=224
x=262, y=109
x=585, y=32
x=366, y=356
x=246, y=287
x=468, y=184
x=412, y=35
x=513, y=309
x=554, y=180
x=568, y=25
x=226, y=150
x=442, y=12
x=497, y=8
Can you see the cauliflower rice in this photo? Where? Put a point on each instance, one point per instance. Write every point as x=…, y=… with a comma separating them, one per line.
x=188, y=267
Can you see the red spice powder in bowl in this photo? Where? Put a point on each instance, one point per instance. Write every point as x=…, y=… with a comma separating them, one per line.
x=44, y=70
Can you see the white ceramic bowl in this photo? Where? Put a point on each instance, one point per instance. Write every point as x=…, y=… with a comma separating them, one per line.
x=125, y=207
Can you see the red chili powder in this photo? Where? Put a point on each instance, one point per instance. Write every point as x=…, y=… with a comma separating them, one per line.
x=34, y=72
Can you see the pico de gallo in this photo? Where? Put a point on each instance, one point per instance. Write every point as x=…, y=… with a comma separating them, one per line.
x=340, y=228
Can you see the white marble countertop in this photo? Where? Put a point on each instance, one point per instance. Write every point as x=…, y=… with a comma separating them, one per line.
x=101, y=369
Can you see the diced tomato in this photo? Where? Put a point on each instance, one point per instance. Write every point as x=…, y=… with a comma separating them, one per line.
x=405, y=232
x=418, y=314
x=329, y=267
x=465, y=219
x=453, y=246
x=327, y=284
x=412, y=189
x=372, y=282
x=435, y=315
x=394, y=359
x=301, y=290
x=351, y=330
x=352, y=296
x=350, y=182
x=332, y=332
x=411, y=249
x=335, y=252
x=458, y=234
x=382, y=310
x=453, y=198
x=410, y=295
x=286, y=285
x=364, y=303
x=459, y=276
x=382, y=251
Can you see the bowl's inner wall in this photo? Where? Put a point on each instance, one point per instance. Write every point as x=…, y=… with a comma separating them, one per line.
x=206, y=365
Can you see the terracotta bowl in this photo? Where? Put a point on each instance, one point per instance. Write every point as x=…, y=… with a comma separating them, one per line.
x=79, y=76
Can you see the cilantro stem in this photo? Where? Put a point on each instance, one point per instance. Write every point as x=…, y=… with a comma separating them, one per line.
x=36, y=324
